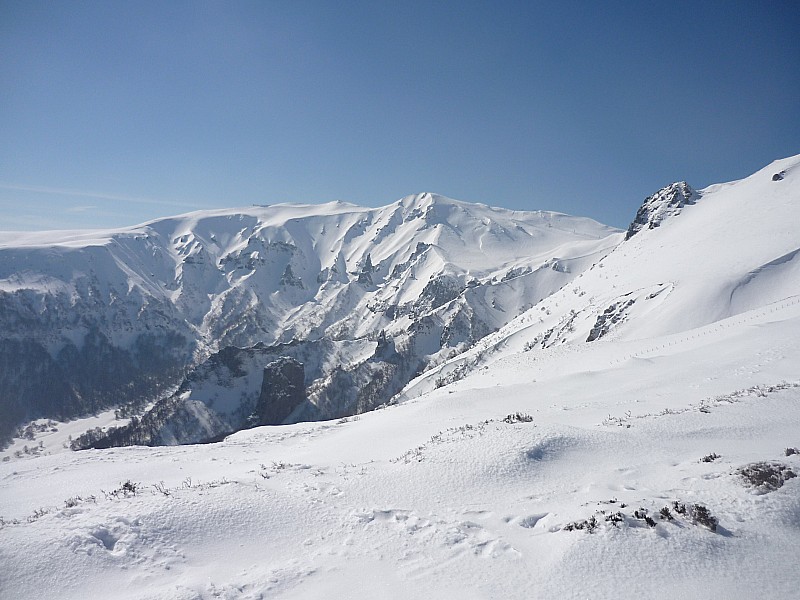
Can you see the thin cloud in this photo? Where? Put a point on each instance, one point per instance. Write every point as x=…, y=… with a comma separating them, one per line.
x=80, y=209
x=91, y=194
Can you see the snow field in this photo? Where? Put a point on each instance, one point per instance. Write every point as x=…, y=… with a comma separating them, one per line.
x=441, y=497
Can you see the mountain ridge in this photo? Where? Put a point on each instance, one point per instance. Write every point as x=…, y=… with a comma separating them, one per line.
x=393, y=301
x=435, y=273
x=643, y=412
x=733, y=248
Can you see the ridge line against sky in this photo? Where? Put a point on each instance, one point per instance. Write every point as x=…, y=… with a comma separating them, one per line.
x=565, y=106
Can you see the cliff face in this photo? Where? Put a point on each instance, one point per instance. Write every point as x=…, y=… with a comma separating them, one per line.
x=282, y=391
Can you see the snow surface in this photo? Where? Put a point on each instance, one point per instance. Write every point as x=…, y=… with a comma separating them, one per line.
x=427, y=499
x=487, y=485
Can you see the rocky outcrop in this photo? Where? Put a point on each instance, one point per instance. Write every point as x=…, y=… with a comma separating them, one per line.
x=365, y=275
x=282, y=391
x=611, y=316
x=290, y=279
x=665, y=203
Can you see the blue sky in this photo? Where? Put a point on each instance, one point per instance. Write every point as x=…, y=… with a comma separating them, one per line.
x=113, y=113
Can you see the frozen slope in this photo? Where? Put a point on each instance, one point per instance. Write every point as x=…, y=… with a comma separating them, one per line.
x=733, y=250
x=441, y=497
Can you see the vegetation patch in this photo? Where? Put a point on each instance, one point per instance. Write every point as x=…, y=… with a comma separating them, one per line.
x=678, y=513
x=518, y=417
x=766, y=477
x=454, y=434
x=710, y=457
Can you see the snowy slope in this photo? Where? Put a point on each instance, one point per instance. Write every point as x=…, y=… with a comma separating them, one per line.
x=705, y=255
x=440, y=497
x=93, y=319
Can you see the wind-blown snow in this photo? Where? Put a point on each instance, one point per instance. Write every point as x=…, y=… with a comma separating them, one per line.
x=734, y=249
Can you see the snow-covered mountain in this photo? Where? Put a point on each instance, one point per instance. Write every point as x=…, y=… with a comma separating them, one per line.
x=690, y=259
x=364, y=298
x=635, y=434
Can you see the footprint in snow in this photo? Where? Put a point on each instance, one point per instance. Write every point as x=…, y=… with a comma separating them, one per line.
x=454, y=538
x=125, y=542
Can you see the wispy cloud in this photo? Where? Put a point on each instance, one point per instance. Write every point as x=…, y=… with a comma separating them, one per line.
x=80, y=209
x=39, y=189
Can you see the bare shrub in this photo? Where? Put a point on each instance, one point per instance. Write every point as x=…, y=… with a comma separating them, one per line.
x=701, y=515
x=766, y=477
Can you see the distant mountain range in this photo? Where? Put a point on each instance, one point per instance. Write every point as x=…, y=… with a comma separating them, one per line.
x=234, y=318
x=200, y=325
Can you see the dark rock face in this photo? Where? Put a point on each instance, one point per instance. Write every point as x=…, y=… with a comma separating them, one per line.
x=182, y=419
x=610, y=317
x=662, y=205
x=438, y=292
x=290, y=279
x=219, y=396
x=282, y=390
x=386, y=350
x=365, y=275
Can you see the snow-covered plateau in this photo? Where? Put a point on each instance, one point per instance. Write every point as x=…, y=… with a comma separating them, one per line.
x=631, y=428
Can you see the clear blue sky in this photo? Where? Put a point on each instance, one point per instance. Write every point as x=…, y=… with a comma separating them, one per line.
x=112, y=113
